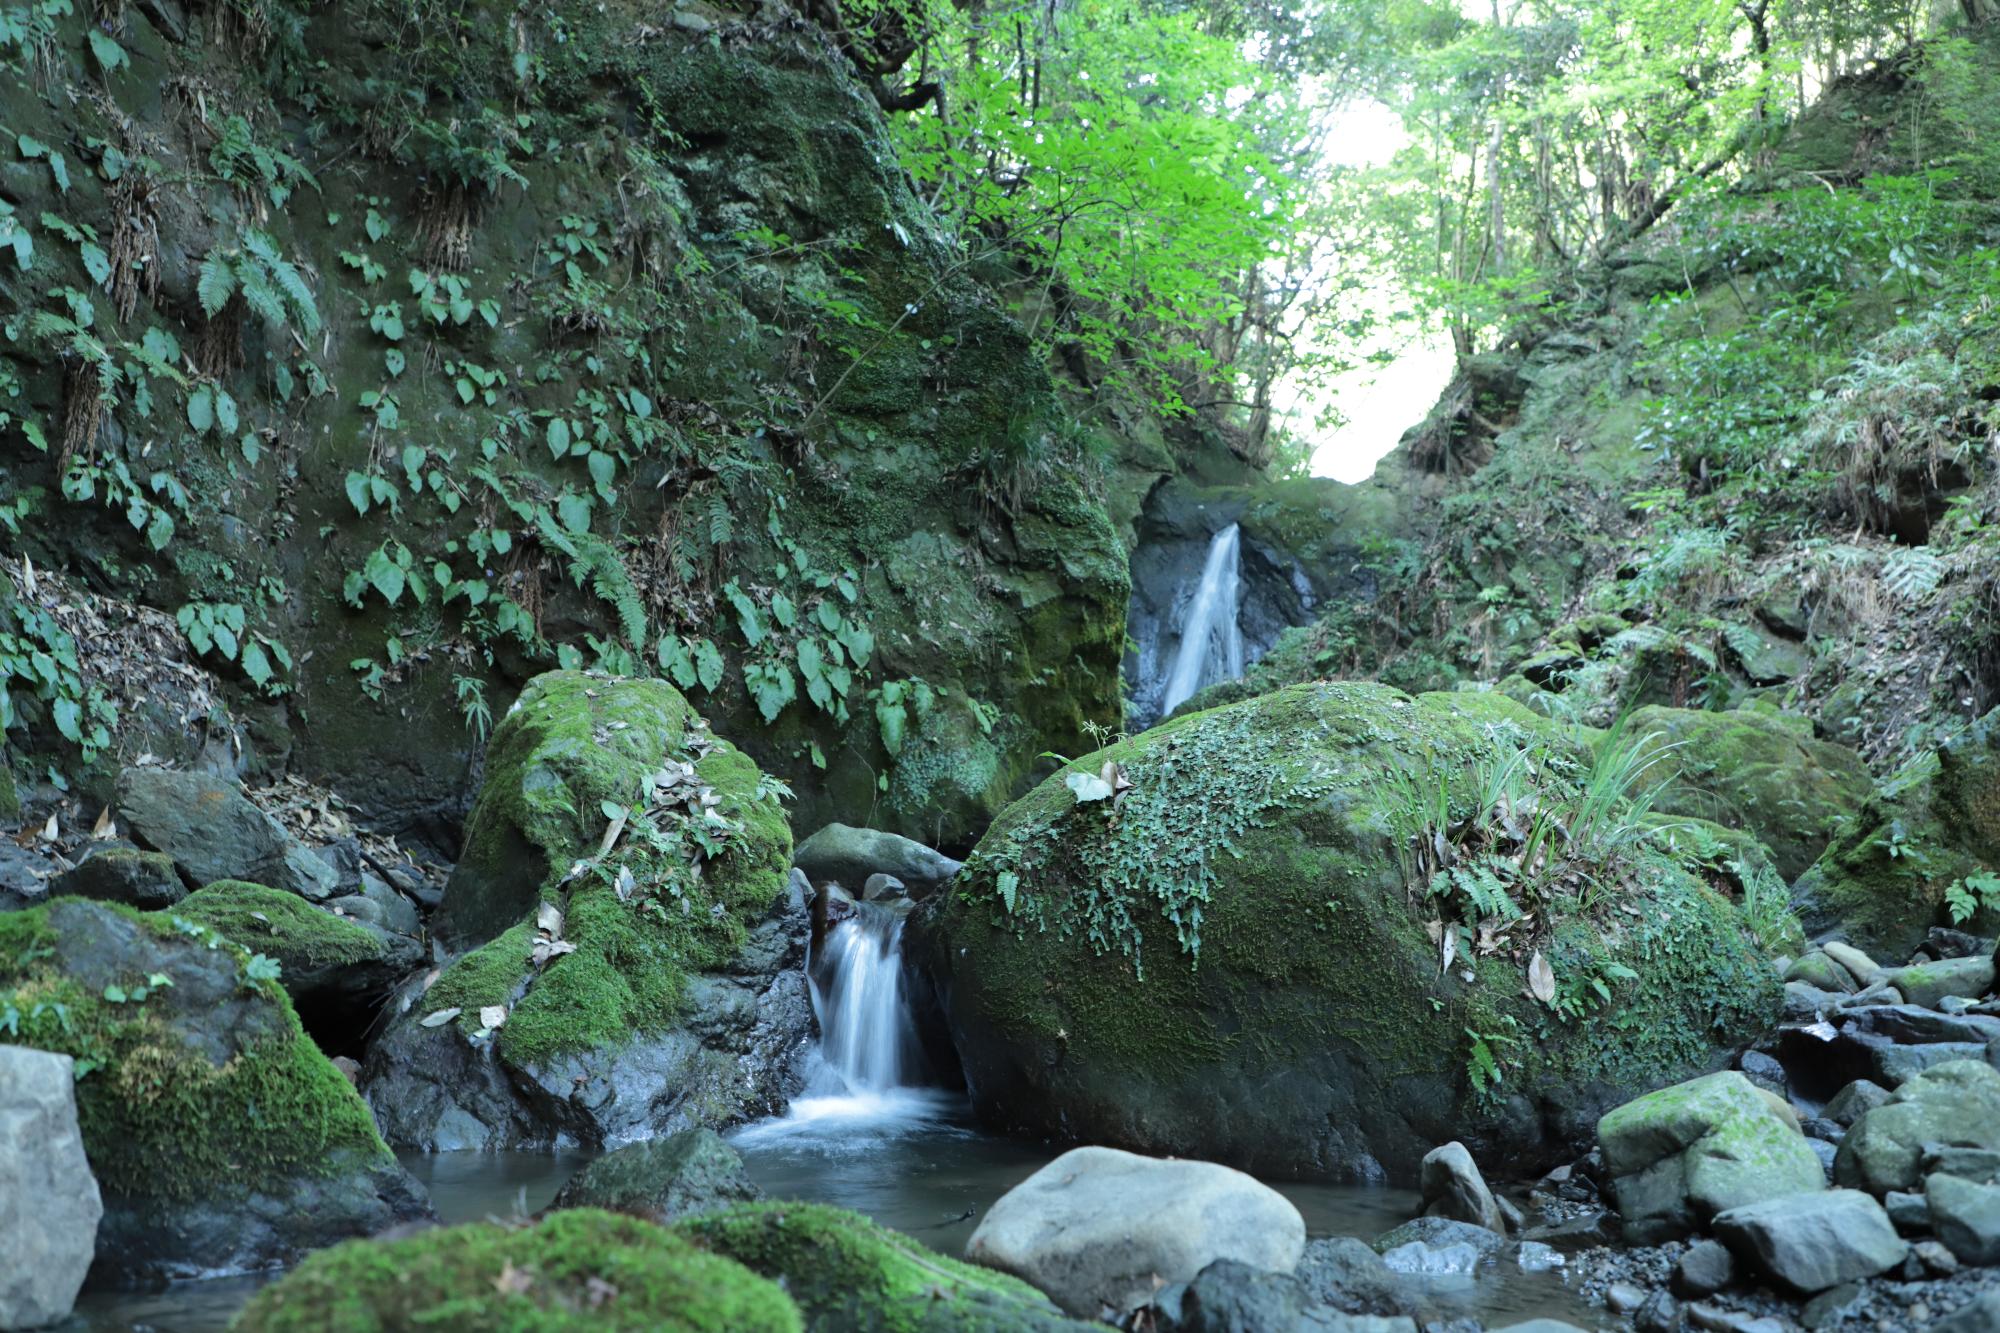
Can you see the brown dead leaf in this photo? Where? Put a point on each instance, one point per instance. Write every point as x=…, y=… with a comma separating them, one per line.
x=513, y=1281
x=1542, y=978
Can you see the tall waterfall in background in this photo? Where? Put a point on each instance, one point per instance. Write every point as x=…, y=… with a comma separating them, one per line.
x=1211, y=647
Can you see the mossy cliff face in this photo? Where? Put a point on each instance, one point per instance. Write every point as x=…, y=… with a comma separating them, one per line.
x=1755, y=769
x=1315, y=1033
x=1883, y=882
x=223, y=1140
x=619, y=857
x=667, y=353
x=578, y=1269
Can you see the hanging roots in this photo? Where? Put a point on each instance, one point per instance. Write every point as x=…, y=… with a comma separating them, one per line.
x=444, y=229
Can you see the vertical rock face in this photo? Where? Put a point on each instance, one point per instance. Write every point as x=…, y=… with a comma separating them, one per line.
x=49, y=1205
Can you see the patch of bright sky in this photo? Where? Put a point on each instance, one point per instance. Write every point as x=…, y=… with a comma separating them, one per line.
x=1376, y=402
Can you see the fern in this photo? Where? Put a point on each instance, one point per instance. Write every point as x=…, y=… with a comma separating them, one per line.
x=270, y=284
x=1912, y=573
x=599, y=563
x=216, y=284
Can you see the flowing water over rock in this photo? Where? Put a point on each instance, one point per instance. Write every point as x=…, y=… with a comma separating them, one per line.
x=1211, y=646
x=861, y=1089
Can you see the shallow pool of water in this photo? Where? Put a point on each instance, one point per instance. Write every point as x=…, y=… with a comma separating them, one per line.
x=914, y=1163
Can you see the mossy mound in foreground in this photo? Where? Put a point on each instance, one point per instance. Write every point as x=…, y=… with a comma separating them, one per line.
x=846, y=1273
x=223, y=1140
x=579, y=1269
x=616, y=851
x=1241, y=955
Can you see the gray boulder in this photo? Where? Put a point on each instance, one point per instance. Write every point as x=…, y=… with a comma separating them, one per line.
x=213, y=832
x=1927, y=983
x=848, y=855
x=49, y=1205
x=1810, y=1242
x=681, y=1175
x=24, y=877
x=1706, y=1268
x=1966, y=1217
x=1098, y=1227
x=1856, y=1100
x=1453, y=1188
x=145, y=880
x=1956, y=1104
x=1679, y=1156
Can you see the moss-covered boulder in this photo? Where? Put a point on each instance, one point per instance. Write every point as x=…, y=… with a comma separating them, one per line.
x=1754, y=769
x=632, y=967
x=337, y=970
x=1295, y=935
x=576, y=1270
x=222, y=1139
x=680, y=1175
x=845, y=1272
x=1886, y=879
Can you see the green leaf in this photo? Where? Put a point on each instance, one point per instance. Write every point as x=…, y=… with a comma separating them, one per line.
x=603, y=467
x=384, y=575
x=573, y=511
x=225, y=412
x=68, y=715
x=256, y=664
x=357, y=492
x=783, y=611
x=201, y=409
x=557, y=436
x=109, y=54
x=708, y=664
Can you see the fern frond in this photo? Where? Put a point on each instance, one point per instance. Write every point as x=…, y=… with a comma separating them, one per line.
x=216, y=284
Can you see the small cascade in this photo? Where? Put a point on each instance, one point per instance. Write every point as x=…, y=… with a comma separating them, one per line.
x=1211, y=647
x=860, y=1090
x=865, y=1031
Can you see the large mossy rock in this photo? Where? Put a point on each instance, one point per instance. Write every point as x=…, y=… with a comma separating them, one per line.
x=1753, y=769
x=1315, y=1033
x=1882, y=882
x=623, y=894
x=1956, y=1104
x=223, y=1141
x=847, y=1273
x=1679, y=1156
x=576, y=1270
x=337, y=970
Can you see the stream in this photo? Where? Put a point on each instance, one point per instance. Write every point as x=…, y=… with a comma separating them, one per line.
x=861, y=1136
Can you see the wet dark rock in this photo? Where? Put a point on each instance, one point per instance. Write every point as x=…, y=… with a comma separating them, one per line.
x=1810, y=1242
x=1968, y=1163
x=1438, y=1233
x=145, y=880
x=1349, y=1275
x=848, y=855
x=1808, y=1004
x=1910, y=1211
x=1855, y=1100
x=880, y=887
x=740, y=1052
x=1934, y=1257
x=1956, y=1103
x=1831, y=1307
x=1705, y=1269
x=1763, y=1070
x=213, y=832
x=682, y=1175
x=1944, y=942
x=24, y=877
x=1915, y=1025
x=1232, y=1297
x=1897, y=1065
x=1660, y=1314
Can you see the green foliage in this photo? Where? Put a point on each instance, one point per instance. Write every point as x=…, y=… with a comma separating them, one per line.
x=1967, y=897
x=1154, y=849
x=39, y=661
x=221, y=629
x=254, y=167
x=269, y=283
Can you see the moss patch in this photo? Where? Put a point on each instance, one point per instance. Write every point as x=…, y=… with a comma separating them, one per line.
x=204, y=1086
x=703, y=850
x=281, y=924
x=846, y=1272
x=579, y=1269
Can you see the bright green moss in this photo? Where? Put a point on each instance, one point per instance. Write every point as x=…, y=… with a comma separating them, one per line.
x=847, y=1273
x=572, y=745
x=205, y=1085
x=281, y=924
x=578, y=1269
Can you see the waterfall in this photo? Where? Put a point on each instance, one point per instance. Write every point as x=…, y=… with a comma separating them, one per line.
x=1211, y=647
x=864, y=1025
x=859, y=1091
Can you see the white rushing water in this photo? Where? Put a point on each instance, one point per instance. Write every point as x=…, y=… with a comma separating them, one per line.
x=1211, y=647
x=858, y=1090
